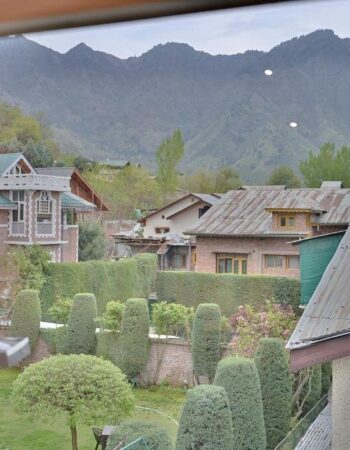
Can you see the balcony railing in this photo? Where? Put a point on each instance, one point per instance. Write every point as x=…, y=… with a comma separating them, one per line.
x=35, y=182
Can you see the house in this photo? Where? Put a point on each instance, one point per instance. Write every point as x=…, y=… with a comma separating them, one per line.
x=249, y=230
x=163, y=232
x=323, y=335
x=37, y=208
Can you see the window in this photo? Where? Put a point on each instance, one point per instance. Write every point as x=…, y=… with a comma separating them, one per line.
x=308, y=221
x=274, y=261
x=202, y=211
x=293, y=262
x=226, y=263
x=44, y=223
x=17, y=223
x=286, y=221
x=162, y=230
x=179, y=261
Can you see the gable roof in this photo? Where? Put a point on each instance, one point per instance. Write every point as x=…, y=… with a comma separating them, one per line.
x=245, y=213
x=210, y=199
x=327, y=314
x=74, y=174
x=8, y=160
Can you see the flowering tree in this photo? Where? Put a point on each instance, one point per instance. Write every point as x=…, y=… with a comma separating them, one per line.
x=249, y=325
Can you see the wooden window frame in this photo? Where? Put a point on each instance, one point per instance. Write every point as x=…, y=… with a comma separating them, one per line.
x=283, y=258
x=288, y=264
x=157, y=230
x=287, y=217
x=242, y=260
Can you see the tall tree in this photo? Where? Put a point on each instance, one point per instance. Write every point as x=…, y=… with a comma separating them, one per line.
x=284, y=175
x=207, y=182
x=169, y=154
x=329, y=164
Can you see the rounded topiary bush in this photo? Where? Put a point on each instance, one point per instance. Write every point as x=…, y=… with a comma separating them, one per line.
x=156, y=437
x=271, y=360
x=239, y=377
x=134, y=341
x=206, y=340
x=205, y=421
x=25, y=320
x=81, y=327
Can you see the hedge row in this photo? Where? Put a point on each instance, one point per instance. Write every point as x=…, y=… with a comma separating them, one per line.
x=108, y=280
x=227, y=290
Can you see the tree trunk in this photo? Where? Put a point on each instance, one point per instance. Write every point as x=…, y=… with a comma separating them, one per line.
x=73, y=431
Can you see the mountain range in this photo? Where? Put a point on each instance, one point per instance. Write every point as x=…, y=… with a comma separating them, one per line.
x=229, y=110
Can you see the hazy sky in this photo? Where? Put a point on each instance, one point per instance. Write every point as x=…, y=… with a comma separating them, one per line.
x=226, y=32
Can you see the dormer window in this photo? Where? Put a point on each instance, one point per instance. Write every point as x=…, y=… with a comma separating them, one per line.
x=286, y=220
x=44, y=222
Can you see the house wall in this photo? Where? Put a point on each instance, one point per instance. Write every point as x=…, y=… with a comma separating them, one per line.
x=301, y=223
x=179, y=223
x=69, y=252
x=255, y=248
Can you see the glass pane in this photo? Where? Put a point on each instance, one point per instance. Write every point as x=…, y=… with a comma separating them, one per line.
x=221, y=266
x=270, y=261
x=291, y=221
x=283, y=221
x=15, y=216
x=15, y=196
x=21, y=196
x=228, y=265
x=244, y=266
x=293, y=262
x=21, y=211
x=279, y=261
x=236, y=266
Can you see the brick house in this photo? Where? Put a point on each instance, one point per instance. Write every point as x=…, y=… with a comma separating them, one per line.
x=250, y=229
x=37, y=208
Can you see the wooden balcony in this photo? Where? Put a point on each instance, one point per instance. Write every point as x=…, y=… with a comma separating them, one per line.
x=35, y=182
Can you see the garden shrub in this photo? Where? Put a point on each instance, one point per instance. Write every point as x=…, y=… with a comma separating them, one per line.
x=81, y=328
x=134, y=341
x=111, y=319
x=326, y=377
x=205, y=421
x=206, y=340
x=271, y=360
x=156, y=437
x=61, y=340
x=25, y=320
x=227, y=290
x=127, y=278
x=108, y=346
x=48, y=335
x=239, y=377
x=92, y=241
x=172, y=319
x=59, y=311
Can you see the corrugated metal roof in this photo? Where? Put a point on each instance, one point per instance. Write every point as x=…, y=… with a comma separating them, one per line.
x=267, y=187
x=72, y=201
x=328, y=311
x=243, y=213
x=319, y=434
x=212, y=199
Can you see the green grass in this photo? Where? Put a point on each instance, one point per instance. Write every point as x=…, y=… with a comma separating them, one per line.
x=19, y=433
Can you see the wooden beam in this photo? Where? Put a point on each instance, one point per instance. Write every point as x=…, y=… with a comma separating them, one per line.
x=319, y=352
x=19, y=16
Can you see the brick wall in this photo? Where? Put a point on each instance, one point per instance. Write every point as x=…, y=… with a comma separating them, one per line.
x=255, y=248
x=69, y=251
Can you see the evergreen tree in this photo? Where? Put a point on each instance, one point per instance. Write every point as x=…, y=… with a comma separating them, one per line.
x=284, y=175
x=239, y=377
x=271, y=360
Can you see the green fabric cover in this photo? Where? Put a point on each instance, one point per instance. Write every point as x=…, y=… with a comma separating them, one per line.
x=315, y=255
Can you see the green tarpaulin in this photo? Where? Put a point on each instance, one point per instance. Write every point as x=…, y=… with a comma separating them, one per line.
x=315, y=255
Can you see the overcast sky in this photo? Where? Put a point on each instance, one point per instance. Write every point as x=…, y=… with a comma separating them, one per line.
x=225, y=32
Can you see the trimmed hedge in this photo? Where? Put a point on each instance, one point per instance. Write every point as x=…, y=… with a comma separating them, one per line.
x=61, y=340
x=239, y=377
x=227, y=290
x=271, y=360
x=156, y=437
x=108, y=346
x=81, y=327
x=206, y=340
x=134, y=341
x=25, y=320
x=205, y=421
x=108, y=280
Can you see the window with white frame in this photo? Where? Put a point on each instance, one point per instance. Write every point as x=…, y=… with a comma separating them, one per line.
x=17, y=219
x=44, y=214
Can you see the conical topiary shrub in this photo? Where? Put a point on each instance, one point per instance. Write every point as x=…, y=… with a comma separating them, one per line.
x=25, y=320
x=81, y=327
x=239, y=377
x=271, y=360
x=134, y=341
x=206, y=340
x=205, y=421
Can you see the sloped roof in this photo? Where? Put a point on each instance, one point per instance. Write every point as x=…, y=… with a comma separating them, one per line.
x=296, y=203
x=244, y=213
x=5, y=203
x=328, y=311
x=72, y=201
x=7, y=160
x=267, y=187
x=56, y=171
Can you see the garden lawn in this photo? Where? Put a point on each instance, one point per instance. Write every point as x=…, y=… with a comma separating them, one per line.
x=19, y=433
